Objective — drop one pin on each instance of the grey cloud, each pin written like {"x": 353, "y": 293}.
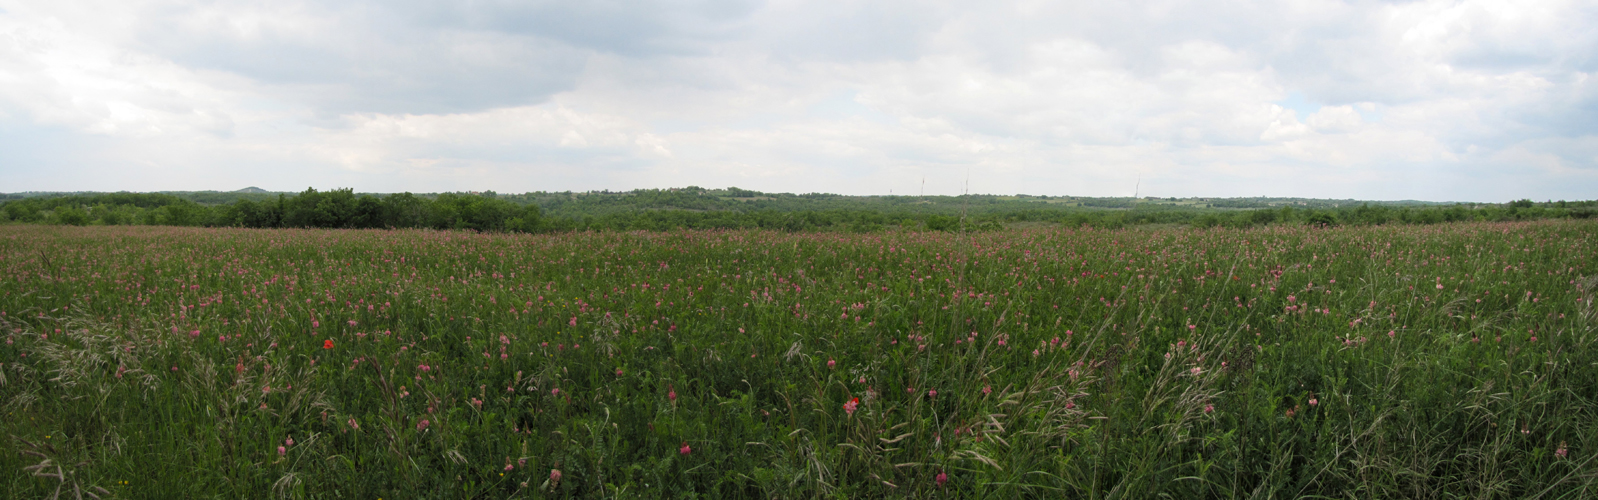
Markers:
{"x": 629, "y": 28}
{"x": 362, "y": 62}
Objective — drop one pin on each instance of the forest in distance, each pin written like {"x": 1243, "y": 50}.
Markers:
{"x": 693, "y": 207}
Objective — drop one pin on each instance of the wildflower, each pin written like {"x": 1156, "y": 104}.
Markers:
{"x": 1313, "y": 401}
{"x": 281, "y": 451}
{"x": 289, "y": 441}
{"x": 671, "y": 394}
{"x": 354, "y": 425}
{"x": 422, "y": 426}
{"x": 987, "y": 389}
{"x": 1209, "y": 408}
{"x": 943, "y": 477}
{"x": 554, "y": 477}
{"x": 618, "y": 372}
{"x": 932, "y": 393}
{"x": 850, "y": 407}
{"x": 1561, "y": 452}
{"x": 554, "y": 392}
{"x": 327, "y": 344}
{"x": 831, "y": 364}
{"x": 685, "y": 449}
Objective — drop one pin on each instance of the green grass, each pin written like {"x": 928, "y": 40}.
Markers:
{"x": 1440, "y": 361}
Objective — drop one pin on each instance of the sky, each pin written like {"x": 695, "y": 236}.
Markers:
{"x": 1427, "y": 100}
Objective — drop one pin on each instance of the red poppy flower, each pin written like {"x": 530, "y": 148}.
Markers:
{"x": 327, "y": 344}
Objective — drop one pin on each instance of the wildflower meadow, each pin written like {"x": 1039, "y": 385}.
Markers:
{"x": 1286, "y": 361}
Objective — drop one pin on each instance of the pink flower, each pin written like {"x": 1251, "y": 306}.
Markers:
{"x": 1313, "y": 401}
{"x": 831, "y": 364}
{"x": 851, "y": 406}
{"x": 685, "y": 449}
{"x": 1209, "y": 408}
{"x": 987, "y": 389}
{"x": 932, "y": 393}
{"x": 554, "y": 392}
{"x": 289, "y": 441}
{"x": 1561, "y": 452}
{"x": 671, "y": 394}
{"x": 281, "y": 451}
{"x": 354, "y": 425}
{"x": 618, "y": 372}
{"x": 943, "y": 477}
{"x": 554, "y": 476}
{"x": 508, "y": 467}
{"x": 422, "y": 426}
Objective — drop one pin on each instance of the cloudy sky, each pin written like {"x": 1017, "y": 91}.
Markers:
{"x": 1430, "y": 100}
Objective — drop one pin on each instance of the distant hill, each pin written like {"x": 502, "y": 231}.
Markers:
{"x": 253, "y": 190}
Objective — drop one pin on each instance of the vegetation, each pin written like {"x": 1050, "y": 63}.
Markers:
{"x": 1388, "y": 361}
{"x": 732, "y": 208}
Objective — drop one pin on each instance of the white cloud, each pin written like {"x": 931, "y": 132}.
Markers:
{"x": 1432, "y": 99}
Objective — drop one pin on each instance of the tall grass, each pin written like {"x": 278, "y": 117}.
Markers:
{"x": 1418, "y": 362}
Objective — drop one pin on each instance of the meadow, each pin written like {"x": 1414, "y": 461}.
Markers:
{"x": 1441, "y": 361}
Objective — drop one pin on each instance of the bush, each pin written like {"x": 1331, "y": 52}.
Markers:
{"x": 1321, "y": 219}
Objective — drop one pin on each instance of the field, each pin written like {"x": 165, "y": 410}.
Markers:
{"x": 1454, "y": 360}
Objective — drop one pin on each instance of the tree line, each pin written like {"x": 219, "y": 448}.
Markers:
{"x": 694, "y": 208}
{"x": 339, "y": 208}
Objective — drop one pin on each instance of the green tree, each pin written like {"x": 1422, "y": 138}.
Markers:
{"x": 70, "y": 216}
